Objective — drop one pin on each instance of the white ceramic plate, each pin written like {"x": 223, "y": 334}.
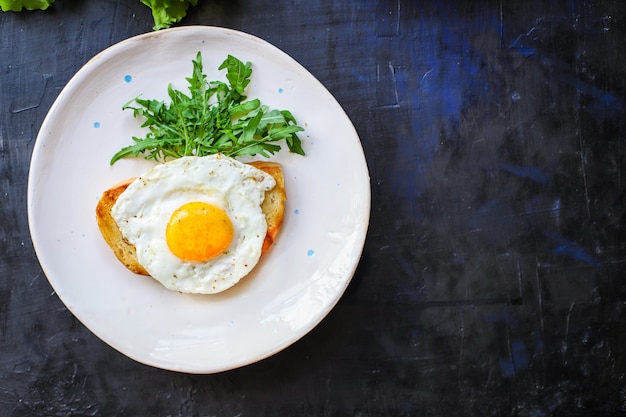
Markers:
{"x": 295, "y": 284}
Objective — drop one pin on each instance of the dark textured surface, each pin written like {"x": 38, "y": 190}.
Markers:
{"x": 493, "y": 280}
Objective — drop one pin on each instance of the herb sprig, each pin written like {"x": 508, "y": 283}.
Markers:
{"x": 215, "y": 117}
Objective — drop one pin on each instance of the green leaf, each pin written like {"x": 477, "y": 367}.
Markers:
{"x": 18, "y": 5}
{"x": 164, "y": 12}
{"x": 237, "y": 73}
{"x": 213, "y": 118}
{"x": 167, "y": 12}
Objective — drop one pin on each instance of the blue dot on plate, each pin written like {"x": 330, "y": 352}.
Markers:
{"x": 96, "y": 124}
{"x": 310, "y": 252}
{"x": 280, "y": 90}
{"x": 128, "y": 78}
{"x": 296, "y": 211}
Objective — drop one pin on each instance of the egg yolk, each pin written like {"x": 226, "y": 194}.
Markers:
{"x": 198, "y": 232}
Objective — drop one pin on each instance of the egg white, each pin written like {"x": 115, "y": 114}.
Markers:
{"x": 143, "y": 210}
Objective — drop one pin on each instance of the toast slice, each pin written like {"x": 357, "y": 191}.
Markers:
{"x": 273, "y": 207}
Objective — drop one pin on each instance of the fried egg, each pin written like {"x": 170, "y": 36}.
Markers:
{"x": 196, "y": 222}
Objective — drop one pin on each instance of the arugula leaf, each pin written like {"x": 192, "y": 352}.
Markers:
{"x": 214, "y": 117}
{"x": 238, "y": 73}
{"x": 17, "y": 5}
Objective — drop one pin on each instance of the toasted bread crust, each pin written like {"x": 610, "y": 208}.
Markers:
{"x": 273, "y": 208}
{"x": 111, "y": 233}
{"x": 274, "y": 204}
